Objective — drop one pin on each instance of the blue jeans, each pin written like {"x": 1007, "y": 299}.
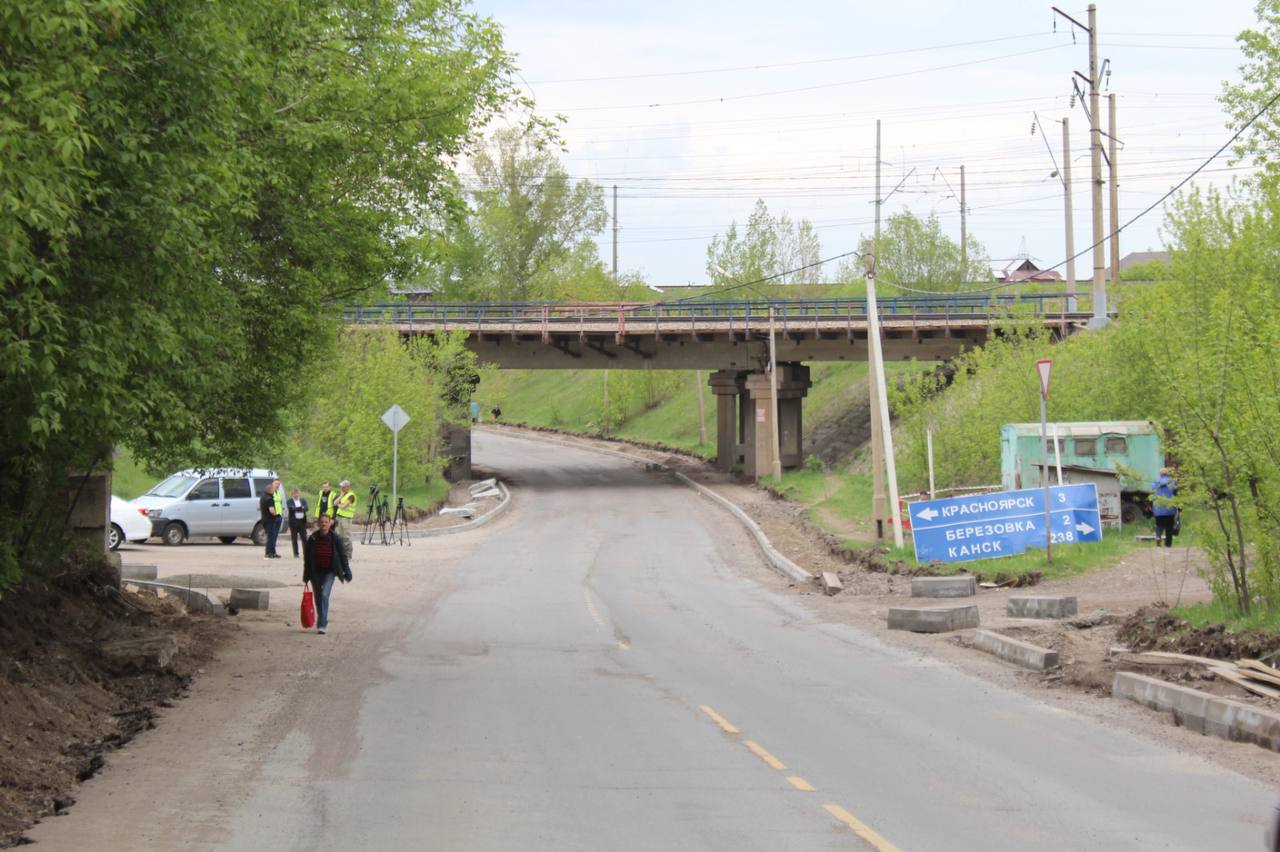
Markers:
{"x": 320, "y": 590}
{"x": 272, "y": 528}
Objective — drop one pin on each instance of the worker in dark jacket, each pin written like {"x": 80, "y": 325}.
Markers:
{"x": 1163, "y": 490}
{"x": 323, "y": 562}
{"x": 296, "y": 512}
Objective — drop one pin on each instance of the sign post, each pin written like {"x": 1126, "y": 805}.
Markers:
{"x": 395, "y": 418}
{"x": 1042, "y": 368}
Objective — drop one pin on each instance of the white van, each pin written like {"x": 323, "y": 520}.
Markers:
{"x": 217, "y": 502}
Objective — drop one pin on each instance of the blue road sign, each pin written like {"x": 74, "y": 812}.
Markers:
{"x": 987, "y": 526}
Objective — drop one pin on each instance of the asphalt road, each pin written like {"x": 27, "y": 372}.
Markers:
{"x": 603, "y": 674}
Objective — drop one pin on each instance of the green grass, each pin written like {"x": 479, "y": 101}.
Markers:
{"x": 129, "y": 479}
{"x": 1219, "y": 612}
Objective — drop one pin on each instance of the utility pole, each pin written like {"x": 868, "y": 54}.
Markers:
{"x": 881, "y": 412}
{"x": 1069, "y": 215}
{"x": 877, "y": 437}
{"x": 615, "y": 233}
{"x": 1099, "y": 318}
{"x": 1095, "y": 165}
{"x": 964, "y": 233}
{"x": 1115, "y": 192}
{"x": 773, "y": 394}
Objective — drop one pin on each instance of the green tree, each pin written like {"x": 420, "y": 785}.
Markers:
{"x": 1259, "y": 83}
{"x": 530, "y": 229}
{"x": 186, "y": 186}
{"x": 915, "y": 253}
{"x": 767, "y": 246}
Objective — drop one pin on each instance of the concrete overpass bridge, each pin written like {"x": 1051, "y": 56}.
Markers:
{"x": 728, "y": 338}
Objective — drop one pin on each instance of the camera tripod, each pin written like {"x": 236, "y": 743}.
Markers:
{"x": 381, "y": 526}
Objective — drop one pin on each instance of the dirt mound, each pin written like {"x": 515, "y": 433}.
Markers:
{"x": 66, "y": 697}
{"x": 1154, "y": 628}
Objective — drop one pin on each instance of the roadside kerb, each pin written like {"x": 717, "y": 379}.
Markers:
{"x": 195, "y": 600}
{"x": 965, "y": 586}
{"x": 139, "y": 572}
{"x": 249, "y": 599}
{"x": 780, "y": 563}
{"x": 1200, "y": 711}
{"x": 933, "y": 619}
{"x": 1015, "y": 650}
{"x": 471, "y": 524}
{"x": 1041, "y": 606}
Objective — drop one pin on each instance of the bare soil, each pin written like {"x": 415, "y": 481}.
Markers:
{"x": 64, "y": 703}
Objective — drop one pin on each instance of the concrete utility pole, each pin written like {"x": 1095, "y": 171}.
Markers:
{"x": 773, "y": 394}
{"x": 1095, "y": 164}
{"x": 1115, "y": 192}
{"x": 1069, "y": 215}
{"x": 877, "y": 439}
{"x": 615, "y": 233}
{"x": 702, "y": 407}
{"x": 964, "y": 233}
{"x": 1099, "y": 318}
{"x": 881, "y": 412}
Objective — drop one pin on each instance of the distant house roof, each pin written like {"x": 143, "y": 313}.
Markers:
{"x": 1022, "y": 269}
{"x": 1137, "y": 258}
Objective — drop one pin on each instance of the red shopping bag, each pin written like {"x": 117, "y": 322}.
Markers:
{"x": 308, "y": 608}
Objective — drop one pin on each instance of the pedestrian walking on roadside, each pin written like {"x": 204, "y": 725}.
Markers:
{"x": 1163, "y": 490}
{"x": 495, "y": 413}
{"x": 325, "y": 502}
{"x": 323, "y": 562}
{"x": 267, "y": 507}
{"x": 297, "y": 521}
{"x": 344, "y": 515}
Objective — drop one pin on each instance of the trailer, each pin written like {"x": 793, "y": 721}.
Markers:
{"x": 1131, "y": 450}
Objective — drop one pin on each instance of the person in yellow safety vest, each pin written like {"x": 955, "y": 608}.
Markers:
{"x": 277, "y": 497}
{"x": 327, "y": 502}
{"x": 344, "y": 507}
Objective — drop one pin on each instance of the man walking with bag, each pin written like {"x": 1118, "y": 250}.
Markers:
{"x": 323, "y": 562}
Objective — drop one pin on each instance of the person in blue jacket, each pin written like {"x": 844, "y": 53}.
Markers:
{"x": 1163, "y": 490}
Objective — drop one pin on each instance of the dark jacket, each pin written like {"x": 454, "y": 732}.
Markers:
{"x": 313, "y": 573}
{"x": 299, "y": 523}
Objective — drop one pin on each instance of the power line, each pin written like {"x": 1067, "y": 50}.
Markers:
{"x": 878, "y": 77}
{"x": 1225, "y": 145}
{"x": 759, "y": 67}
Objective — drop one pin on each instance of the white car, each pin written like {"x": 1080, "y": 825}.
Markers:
{"x": 128, "y": 523}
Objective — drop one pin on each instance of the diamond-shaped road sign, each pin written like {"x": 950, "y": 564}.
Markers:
{"x": 1043, "y": 367}
{"x": 395, "y": 418}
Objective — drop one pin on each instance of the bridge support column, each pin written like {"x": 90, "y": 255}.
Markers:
{"x": 793, "y": 385}
{"x": 728, "y": 386}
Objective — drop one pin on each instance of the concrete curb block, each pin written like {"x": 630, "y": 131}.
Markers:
{"x": 1200, "y": 711}
{"x": 195, "y": 600}
{"x": 1041, "y": 606}
{"x": 779, "y": 562}
{"x": 944, "y": 587}
{"x": 1015, "y": 651}
{"x": 471, "y": 524}
{"x": 776, "y": 560}
{"x": 935, "y": 619}
{"x": 250, "y": 599}
{"x": 139, "y": 572}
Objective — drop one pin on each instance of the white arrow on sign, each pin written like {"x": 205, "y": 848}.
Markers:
{"x": 395, "y": 418}
{"x": 927, "y": 514}
{"x": 1084, "y": 529}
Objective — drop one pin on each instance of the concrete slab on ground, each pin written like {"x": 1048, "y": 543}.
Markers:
{"x": 963, "y": 586}
{"x": 1200, "y": 711}
{"x": 250, "y": 599}
{"x": 1015, "y": 650}
{"x": 1041, "y": 606}
{"x": 936, "y": 619}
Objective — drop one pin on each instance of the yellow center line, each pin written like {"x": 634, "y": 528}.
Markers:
{"x": 800, "y": 784}
{"x": 719, "y": 720}
{"x": 861, "y": 829}
{"x": 759, "y": 751}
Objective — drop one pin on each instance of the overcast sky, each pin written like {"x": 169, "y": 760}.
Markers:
{"x": 695, "y": 109}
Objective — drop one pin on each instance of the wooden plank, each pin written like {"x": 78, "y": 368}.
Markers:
{"x": 1244, "y": 683}
{"x": 1259, "y": 671}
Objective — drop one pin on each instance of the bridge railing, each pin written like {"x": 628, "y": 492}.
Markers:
{"x": 786, "y": 311}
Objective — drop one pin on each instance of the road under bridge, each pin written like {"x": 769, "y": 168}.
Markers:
{"x": 730, "y": 339}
